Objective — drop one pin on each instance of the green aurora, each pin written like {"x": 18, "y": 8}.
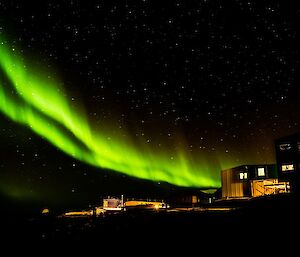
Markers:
{"x": 32, "y": 97}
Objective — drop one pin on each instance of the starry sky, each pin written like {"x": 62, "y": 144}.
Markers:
{"x": 217, "y": 80}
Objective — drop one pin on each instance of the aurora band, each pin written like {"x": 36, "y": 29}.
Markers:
{"x": 32, "y": 97}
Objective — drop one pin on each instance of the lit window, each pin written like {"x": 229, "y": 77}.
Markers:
{"x": 261, "y": 172}
{"x": 243, "y": 175}
{"x": 287, "y": 167}
{"x": 285, "y": 146}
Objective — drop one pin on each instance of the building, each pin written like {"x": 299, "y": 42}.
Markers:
{"x": 184, "y": 200}
{"x": 191, "y": 197}
{"x": 113, "y": 204}
{"x": 288, "y": 159}
{"x": 248, "y": 181}
{"x": 144, "y": 204}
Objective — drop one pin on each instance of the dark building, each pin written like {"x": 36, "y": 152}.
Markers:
{"x": 251, "y": 181}
{"x": 288, "y": 159}
{"x": 191, "y": 198}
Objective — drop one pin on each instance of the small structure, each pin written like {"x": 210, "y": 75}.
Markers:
{"x": 189, "y": 198}
{"x": 184, "y": 200}
{"x": 144, "y": 204}
{"x": 248, "y": 181}
{"x": 288, "y": 159}
{"x": 72, "y": 214}
{"x": 113, "y": 204}
{"x": 45, "y": 211}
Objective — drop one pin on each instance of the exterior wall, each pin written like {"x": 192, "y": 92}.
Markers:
{"x": 235, "y": 187}
{"x": 184, "y": 200}
{"x": 288, "y": 153}
{"x": 190, "y": 198}
{"x": 230, "y": 186}
{"x": 194, "y": 199}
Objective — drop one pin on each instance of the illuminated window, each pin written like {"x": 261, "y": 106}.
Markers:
{"x": 243, "y": 175}
{"x": 285, "y": 147}
{"x": 261, "y": 172}
{"x": 287, "y": 167}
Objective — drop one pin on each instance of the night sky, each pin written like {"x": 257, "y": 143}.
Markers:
{"x": 216, "y": 81}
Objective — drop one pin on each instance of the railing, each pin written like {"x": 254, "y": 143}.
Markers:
{"x": 265, "y": 189}
{"x": 262, "y": 188}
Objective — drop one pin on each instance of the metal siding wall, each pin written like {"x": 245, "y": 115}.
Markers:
{"x": 231, "y": 188}
{"x": 223, "y": 180}
{"x": 225, "y": 184}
